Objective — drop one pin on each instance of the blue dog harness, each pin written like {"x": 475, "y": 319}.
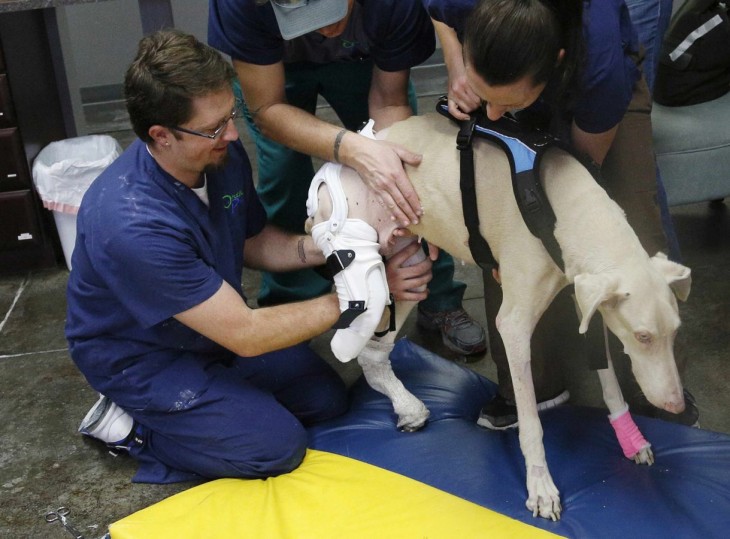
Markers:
{"x": 524, "y": 149}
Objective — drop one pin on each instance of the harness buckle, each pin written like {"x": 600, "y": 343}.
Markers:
{"x": 543, "y": 140}
{"x": 531, "y": 201}
{"x": 466, "y": 133}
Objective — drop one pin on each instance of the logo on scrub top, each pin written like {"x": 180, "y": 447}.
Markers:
{"x": 232, "y": 201}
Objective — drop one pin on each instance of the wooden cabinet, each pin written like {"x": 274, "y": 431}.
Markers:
{"x": 29, "y": 119}
{"x": 19, "y": 225}
{"x": 7, "y": 112}
{"x": 13, "y": 168}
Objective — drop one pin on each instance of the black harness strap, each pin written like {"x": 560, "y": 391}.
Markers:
{"x": 478, "y": 246}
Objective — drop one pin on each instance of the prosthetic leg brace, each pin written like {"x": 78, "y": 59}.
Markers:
{"x": 353, "y": 253}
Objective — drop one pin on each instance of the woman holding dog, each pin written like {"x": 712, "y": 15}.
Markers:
{"x": 573, "y": 68}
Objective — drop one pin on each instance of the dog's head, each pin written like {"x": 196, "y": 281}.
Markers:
{"x": 640, "y": 308}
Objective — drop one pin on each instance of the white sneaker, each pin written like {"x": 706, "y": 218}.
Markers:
{"x": 107, "y": 422}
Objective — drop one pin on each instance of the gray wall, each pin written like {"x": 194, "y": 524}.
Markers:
{"x": 98, "y": 41}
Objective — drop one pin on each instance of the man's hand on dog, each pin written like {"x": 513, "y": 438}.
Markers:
{"x": 380, "y": 165}
{"x": 408, "y": 282}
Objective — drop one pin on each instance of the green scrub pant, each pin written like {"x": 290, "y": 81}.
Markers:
{"x": 284, "y": 177}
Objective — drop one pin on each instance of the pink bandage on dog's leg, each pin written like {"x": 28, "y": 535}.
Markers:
{"x": 628, "y": 434}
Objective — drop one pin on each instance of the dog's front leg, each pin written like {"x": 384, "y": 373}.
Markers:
{"x": 375, "y": 362}
{"x": 632, "y": 442}
{"x": 543, "y": 497}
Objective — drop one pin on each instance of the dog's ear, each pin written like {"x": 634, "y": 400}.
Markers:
{"x": 591, "y": 291}
{"x": 678, "y": 277}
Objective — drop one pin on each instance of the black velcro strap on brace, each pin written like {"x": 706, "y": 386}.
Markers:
{"x": 339, "y": 260}
{"x": 391, "y": 324}
{"x": 354, "y": 309}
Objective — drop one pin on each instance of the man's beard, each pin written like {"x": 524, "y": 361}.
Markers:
{"x": 214, "y": 167}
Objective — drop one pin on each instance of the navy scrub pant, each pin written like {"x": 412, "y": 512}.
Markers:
{"x": 284, "y": 177}
{"x": 246, "y": 419}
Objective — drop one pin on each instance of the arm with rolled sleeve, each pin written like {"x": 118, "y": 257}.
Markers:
{"x": 260, "y": 69}
{"x": 608, "y": 80}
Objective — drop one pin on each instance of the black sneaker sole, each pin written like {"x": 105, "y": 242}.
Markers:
{"x": 506, "y": 421}
{"x": 467, "y": 352}
{"x": 486, "y": 422}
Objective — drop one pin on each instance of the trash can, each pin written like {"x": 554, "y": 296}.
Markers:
{"x": 63, "y": 171}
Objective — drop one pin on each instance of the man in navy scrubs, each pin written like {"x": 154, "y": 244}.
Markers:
{"x": 195, "y": 383}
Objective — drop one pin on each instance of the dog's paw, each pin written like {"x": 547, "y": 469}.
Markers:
{"x": 543, "y": 496}
{"x": 644, "y": 456}
{"x": 414, "y": 418}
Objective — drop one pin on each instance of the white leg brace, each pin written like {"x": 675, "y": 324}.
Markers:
{"x": 361, "y": 284}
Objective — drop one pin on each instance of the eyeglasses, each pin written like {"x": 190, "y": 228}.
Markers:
{"x": 218, "y": 130}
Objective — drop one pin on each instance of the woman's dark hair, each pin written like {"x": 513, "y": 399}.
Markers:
{"x": 170, "y": 69}
{"x": 507, "y": 40}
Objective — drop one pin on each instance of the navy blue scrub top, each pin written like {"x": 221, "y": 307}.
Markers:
{"x": 395, "y": 34}
{"x": 148, "y": 248}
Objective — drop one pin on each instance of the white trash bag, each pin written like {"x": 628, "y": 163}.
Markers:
{"x": 63, "y": 171}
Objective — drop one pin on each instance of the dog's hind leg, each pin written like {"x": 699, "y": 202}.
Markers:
{"x": 375, "y": 362}
{"x": 632, "y": 442}
{"x": 334, "y": 225}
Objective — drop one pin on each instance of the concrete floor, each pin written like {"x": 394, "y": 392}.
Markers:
{"x": 45, "y": 464}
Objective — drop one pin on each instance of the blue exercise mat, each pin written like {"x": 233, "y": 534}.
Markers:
{"x": 686, "y": 493}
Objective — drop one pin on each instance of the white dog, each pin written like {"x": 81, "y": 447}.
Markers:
{"x": 611, "y": 272}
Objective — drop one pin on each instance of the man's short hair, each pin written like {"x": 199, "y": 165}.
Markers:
{"x": 171, "y": 68}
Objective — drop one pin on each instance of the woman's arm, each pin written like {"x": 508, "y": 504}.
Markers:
{"x": 594, "y": 145}
{"x": 461, "y": 98}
